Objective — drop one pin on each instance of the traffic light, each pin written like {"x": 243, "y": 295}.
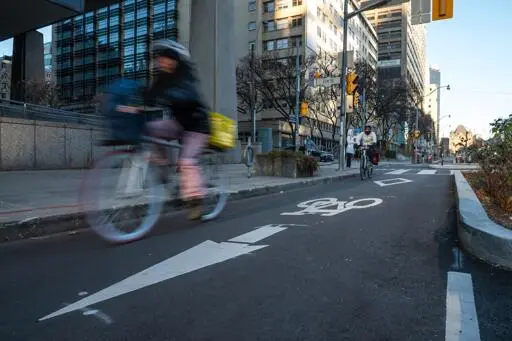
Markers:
{"x": 351, "y": 80}
{"x": 356, "y": 100}
{"x": 442, "y": 9}
{"x": 304, "y": 109}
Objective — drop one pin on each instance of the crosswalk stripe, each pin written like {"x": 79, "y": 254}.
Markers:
{"x": 398, "y": 171}
{"x": 427, "y": 172}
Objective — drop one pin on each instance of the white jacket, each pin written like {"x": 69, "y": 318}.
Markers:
{"x": 351, "y": 140}
{"x": 364, "y": 139}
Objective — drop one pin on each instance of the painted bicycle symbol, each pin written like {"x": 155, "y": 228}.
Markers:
{"x": 328, "y": 207}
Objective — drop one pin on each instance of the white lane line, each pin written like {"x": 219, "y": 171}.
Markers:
{"x": 258, "y": 234}
{"x": 427, "y": 172}
{"x": 398, "y": 171}
{"x": 461, "y": 317}
{"x": 195, "y": 258}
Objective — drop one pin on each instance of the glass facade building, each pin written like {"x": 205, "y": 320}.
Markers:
{"x": 96, "y": 48}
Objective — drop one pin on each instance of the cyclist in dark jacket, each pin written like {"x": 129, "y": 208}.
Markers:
{"x": 176, "y": 85}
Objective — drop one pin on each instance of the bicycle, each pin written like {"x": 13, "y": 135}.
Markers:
{"x": 365, "y": 166}
{"x": 141, "y": 176}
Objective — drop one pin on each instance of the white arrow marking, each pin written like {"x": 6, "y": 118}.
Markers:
{"x": 258, "y": 234}
{"x": 195, "y": 258}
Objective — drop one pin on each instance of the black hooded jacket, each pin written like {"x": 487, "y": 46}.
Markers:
{"x": 180, "y": 91}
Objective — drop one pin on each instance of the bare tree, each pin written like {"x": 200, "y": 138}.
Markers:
{"x": 41, "y": 93}
{"x": 247, "y": 95}
{"x": 323, "y": 101}
{"x": 275, "y": 81}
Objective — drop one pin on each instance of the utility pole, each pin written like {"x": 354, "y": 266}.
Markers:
{"x": 253, "y": 96}
{"x": 343, "y": 117}
{"x": 297, "y": 96}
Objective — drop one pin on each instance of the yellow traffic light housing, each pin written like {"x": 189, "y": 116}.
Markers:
{"x": 304, "y": 109}
{"x": 351, "y": 82}
{"x": 442, "y": 9}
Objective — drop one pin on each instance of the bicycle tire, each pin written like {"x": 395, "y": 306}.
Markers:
{"x": 91, "y": 201}
{"x": 362, "y": 168}
{"x": 220, "y": 199}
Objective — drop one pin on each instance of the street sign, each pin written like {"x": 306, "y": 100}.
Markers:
{"x": 291, "y": 119}
{"x": 326, "y": 82}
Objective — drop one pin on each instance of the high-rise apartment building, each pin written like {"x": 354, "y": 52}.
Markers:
{"x": 47, "y": 48}
{"x": 432, "y": 100}
{"x": 279, "y": 25}
{"x": 93, "y": 49}
{"x": 402, "y": 46}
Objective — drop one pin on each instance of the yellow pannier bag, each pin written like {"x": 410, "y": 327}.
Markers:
{"x": 222, "y": 131}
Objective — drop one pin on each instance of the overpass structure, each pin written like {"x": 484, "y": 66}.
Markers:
{"x": 205, "y": 26}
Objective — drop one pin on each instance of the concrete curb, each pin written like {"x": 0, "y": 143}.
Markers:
{"x": 73, "y": 222}
{"x": 478, "y": 234}
{"x": 456, "y": 167}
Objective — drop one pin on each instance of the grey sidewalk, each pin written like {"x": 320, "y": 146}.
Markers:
{"x": 32, "y": 195}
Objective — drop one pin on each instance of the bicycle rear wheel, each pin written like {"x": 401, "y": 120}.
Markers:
{"x": 133, "y": 181}
{"x": 215, "y": 178}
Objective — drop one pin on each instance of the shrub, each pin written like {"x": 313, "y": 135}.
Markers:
{"x": 495, "y": 159}
{"x": 305, "y": 164}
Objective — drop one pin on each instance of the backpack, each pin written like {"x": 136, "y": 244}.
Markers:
{"x": 124, "y": 128}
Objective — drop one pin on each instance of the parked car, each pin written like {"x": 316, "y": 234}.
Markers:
{"x": 326, "y": 157}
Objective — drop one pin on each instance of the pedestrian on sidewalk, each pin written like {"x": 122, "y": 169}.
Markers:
{"x": 350, "y": 147}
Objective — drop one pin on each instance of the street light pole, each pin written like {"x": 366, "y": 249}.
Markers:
{"x": 297, "y": 97}
{"x": 253, "y": 96}
{"x": 416, "y": 126}
{"x": 342, "y": 118}
{"x": 343, "y": 98}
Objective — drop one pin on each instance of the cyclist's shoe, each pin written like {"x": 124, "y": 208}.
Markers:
{"x": 195, "y": 209}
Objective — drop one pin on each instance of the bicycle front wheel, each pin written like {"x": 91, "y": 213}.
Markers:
{"x": 215, "y": 178}
{"x": 122, "y": 196}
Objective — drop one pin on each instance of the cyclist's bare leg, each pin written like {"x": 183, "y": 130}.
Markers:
{"x": 164, "y": 129}
{"x": 192, "y": 190}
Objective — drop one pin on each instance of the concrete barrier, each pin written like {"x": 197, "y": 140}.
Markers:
{"x": 478, "y": 234}
{"x": 28, "y": 144}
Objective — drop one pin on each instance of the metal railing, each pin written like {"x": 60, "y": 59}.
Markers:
{"x": 15, "y": 109}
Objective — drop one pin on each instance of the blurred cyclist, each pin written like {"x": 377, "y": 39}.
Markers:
{"x": 368, "y": 139}
{"x": 175, "y": 84}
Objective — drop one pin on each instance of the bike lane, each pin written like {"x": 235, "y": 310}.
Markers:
{"x": 277, "y": 267}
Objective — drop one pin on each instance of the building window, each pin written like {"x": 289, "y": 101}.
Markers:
{"x": 297, "y": 3}
{"x": 282, "y": 24}
{"x": 296, "y": 21}
{"x": 252, "y": 6}
{"x": 282, "y": 43}
{"x": 269, "y": 45}
{"x": 251, "y": 26}
{"x": 319, "y": 31}
{"x": 282, "y": 4}
{"x": 269, "y": 26}
{"x": 252, "y": 45}
{"x": 318, "y": 12}
{"x": 159, "y": 8}
{"x": 269, "y": 7}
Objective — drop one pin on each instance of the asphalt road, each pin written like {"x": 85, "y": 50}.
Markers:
{"x": 337, "y": 273}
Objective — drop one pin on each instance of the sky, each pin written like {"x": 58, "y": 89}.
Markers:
{"x": 473, "y": 55}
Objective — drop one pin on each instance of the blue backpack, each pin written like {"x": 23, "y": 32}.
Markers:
{"x": 125, "y": 128}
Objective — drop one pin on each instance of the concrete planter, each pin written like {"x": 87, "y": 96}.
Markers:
{"x": 477, "y": 233}
{"x": 282, "y": 166}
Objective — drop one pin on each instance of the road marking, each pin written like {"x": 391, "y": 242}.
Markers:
{"x": 461, "y": 317}
{"x": 427, "y": 172}
{"x": 258, "y": 234}
{"x": 329, "y": 207}
{"x": 391, "y": 182}
{"x": 195, "y": 258}
{"x": 397, "y": 172}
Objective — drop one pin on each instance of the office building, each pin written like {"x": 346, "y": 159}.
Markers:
{"x": 314, "y": 25}
{"x": 5, "y": 77}
{"x": 47, "y": 48}
{"x": 402, "y": 46}
{"x": 434, "y": 99}
{"x": 96, "y": 48}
